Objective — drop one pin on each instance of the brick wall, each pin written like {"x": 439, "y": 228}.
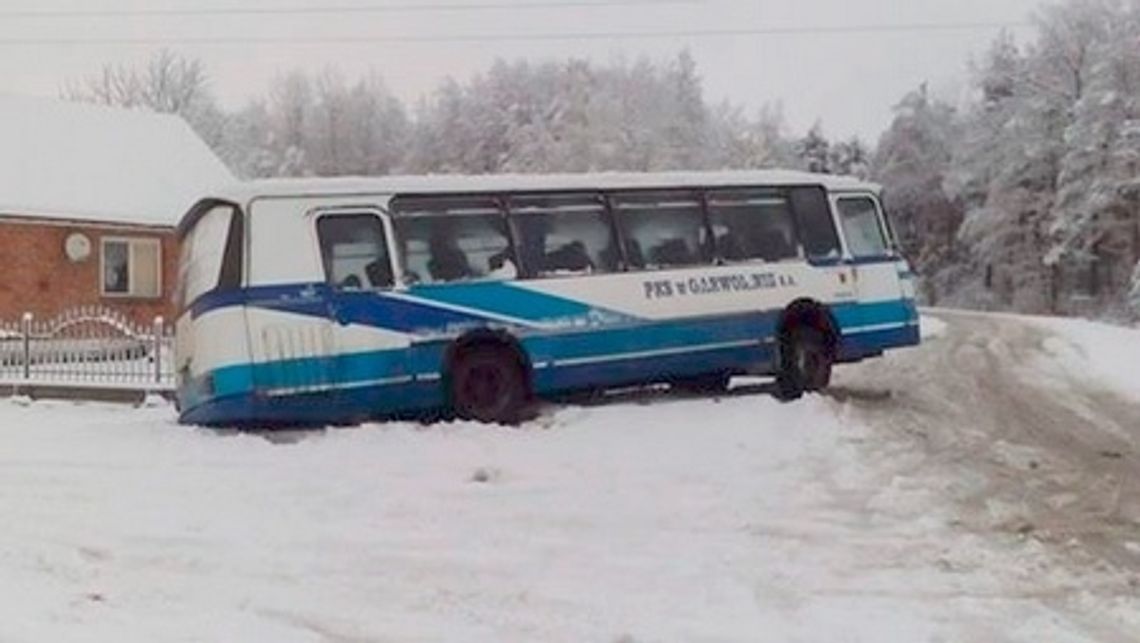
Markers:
{"x": 36, "y": 275}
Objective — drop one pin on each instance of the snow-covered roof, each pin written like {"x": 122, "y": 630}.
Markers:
{"x": 65, "y": 160}
{"x": 244, "y": 192}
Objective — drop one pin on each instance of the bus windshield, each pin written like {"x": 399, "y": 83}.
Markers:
{"x": 862, "y": 228}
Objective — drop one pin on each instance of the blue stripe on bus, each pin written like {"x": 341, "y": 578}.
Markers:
{"x": 425, "y": 360}
{"x": 604, "y": 356}
{"x": 401, "y": 315}
{"x": 356, "y": 402}
{"x": 504, "y": 299}
{"x": 412, "y": 310}
{"x": 856, "y": 315}
{"x": 485, "y": 303}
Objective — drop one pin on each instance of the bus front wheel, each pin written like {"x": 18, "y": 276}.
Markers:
{"x": 488, "y": 384}
{"x": 805, "y": 363}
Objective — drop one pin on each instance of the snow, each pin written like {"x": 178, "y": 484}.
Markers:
{"x": 931, "y": 327}
{"x": 1109, "y": 355}
{"x": 85, "y": 162}
{"x": 681, "y": 519}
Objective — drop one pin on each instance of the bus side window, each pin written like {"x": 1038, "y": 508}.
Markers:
{"x": 814, "y": 223}
{"x": 449, "y": 238}
{"x": 354, "y": 251}
{"x": 751, "y": 225}
{"x": 662, "y": 229}
{"x": 561, "y": 234}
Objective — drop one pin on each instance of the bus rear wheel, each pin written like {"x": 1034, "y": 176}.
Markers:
{"x": 488, "y": 384}
{"x": 805, "y": 363}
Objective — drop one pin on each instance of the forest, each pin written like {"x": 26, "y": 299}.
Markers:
{"x": 1023, "y": 194}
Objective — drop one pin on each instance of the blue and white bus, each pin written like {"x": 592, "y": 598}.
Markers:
{"x": 338, "y": 300}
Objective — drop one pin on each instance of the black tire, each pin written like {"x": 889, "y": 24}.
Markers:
{"x": 488, "y": 384}
{"x": 805, "y": 363}
{"x": 707, "y": 384}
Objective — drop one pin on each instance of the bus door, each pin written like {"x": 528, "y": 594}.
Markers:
{"x": 872, "y": 260}
{"x": 368, "y": 348}
{"x": 834, "y": 280}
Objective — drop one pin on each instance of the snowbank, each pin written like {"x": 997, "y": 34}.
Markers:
{"x": 1085, "y": 349}
{"x": 931, "y": 327}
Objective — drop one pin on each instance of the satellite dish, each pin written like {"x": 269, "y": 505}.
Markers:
{"x": 77, "y": 247}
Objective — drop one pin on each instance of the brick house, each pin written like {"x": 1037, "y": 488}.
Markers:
{"x": 89, "y": 198}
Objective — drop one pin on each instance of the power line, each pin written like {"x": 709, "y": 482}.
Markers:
{"x": 169, "y": 12}
{"x": 512, "y": 37}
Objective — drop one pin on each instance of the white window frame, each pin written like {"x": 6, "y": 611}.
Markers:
{"x": 837, "y": 217}
{"x": 131, "y": 243}
{"x": 394, "y": 260}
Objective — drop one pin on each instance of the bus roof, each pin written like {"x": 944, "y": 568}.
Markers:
{"x": 441, "y": 183}
{"x": 243, "y": 193}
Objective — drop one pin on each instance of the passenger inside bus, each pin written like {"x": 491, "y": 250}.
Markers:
{"x": 448, "y": 262}
{"x": 379, "y": 272}
{"x": 672, "y": 252}
{"x": 569, "y": 257}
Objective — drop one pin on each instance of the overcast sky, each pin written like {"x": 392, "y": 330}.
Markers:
{"x": 847, "y": 79}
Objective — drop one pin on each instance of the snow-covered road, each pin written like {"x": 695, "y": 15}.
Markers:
{"x": 936, "y": 495}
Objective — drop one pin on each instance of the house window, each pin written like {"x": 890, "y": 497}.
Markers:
{"x": 132, "y": 268}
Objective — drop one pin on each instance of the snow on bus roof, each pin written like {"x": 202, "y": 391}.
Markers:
{"x": 83, "y": 162}
{"x": 441, "y": 183}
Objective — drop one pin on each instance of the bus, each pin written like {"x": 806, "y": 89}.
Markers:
{"x": 330, "y": 301}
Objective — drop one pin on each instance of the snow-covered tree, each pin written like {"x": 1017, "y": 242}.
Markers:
{"x": 1004, "y": 172}
{"x": 168, "y": 83}
{"x": 1096, "y": 223}
{"x": 813, "y": 151}
{"x": 1134, "y": 292}
{"x": 912, "y": 161}
{"x": 758, "y": 142}
{"x": 850, "y": 158}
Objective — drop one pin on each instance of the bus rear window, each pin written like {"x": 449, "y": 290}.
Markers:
{"x": 814, "y": 222}
{"x": 211, "y": 255}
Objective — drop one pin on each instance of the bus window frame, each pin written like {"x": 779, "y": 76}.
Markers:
{"x": 318, "y": 213}
{"x": 711, "y": 258}
{"x": 235, "y": 252}
{"x": 780, "y": 192}
{"x": 889, "y": 224}
{"x": 817, "y": 262}
{"x": 890, "y": 253}
{"x": 238, "y": 224}
{"x": 500, "y": 202}
{"x": 527, "y": 272}
{"x": 701, "y": 193}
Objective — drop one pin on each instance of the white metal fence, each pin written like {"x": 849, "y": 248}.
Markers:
{"x": 90, "y": 346}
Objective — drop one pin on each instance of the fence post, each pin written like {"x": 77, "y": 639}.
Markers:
{"x": 157, "y": 334}
{"x": 26, "y": 329}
